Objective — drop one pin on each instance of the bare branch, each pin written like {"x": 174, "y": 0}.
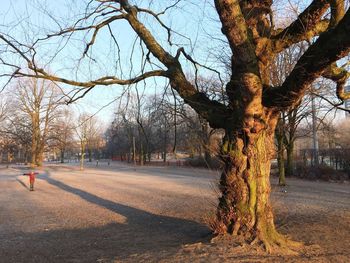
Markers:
{"x": 156, "y": 16}
{"x": 336, "y": 105}
{"x": 74, "y": 98}
{"x": 156, "y": 49}
{"x": 327, "y": 49}
{"x": 337, "y": 12}
{"x": 98, "y": 27}
{"x": 307, "y": 25}
{"x": 339, "y": 76}
{"x": 16, "y": 49}
{"x": 104, "y": 81}
{"x": 199, "y": 101}
{"x": 236, "y": 30}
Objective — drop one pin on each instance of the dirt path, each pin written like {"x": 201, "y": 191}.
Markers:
{"x": 116, "y": 214}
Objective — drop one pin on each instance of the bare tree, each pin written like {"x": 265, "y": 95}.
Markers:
{"x": 120, "y": 137}
{"x": 251, "y": 112}
{"x": 81, "y": 131}
{"x": 195, "y": 133}
{"x": 89, "y": 133}
{"x": 62, "y": 132}
{"x": 16, "y": 134}
{"x": 38, "y": 101}
{"x": 93, "y": 136}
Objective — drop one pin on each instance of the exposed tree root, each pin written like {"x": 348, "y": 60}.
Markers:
{"x": 279, "y": 243}
{"x": 267, "y": 238}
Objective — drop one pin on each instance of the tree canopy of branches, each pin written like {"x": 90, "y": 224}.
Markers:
{"x": 38, "y": 101}
{"x": 158, "y": 127}
{"x": 63, "y": 132}
{"x": 252, "y": 106}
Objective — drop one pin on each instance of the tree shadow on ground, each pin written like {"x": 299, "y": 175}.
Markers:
{"x": 144, "y": 236}
{"x": 22, "y": 183}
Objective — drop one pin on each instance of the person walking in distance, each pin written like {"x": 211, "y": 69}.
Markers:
{"x": 31, "y": 175}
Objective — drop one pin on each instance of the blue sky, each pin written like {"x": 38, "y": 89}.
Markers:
{"x": 28, "y": 20}
{"x": 194, "y": 19}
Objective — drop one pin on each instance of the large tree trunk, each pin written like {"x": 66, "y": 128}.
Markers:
{"x": 82, "y": 154}
{"x": 244, "y": 207}
{"x": 290, "y": 159}
{"x": 37, "y": 153}
{"x": 34, "y": 150}
{"x": 62, "y": 155}
{"x": 141, "y": 154}
{"x": 39, "y": 158}
{"x": 90, "y": 154}
{"x": 37, "y": 147}
{"x": 33, "y": 159}
{"x": 40, "y": 152}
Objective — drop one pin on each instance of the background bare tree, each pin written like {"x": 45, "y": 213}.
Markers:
{"x": 89, "y": 133}
{"x": 38, "y": 101}
{"x": 17, "y": 139}
{"x": 63, "y": 132}
{"x": 93, "y": 137}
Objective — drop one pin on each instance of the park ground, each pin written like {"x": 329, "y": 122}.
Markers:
{"x": 117, "y": 213}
